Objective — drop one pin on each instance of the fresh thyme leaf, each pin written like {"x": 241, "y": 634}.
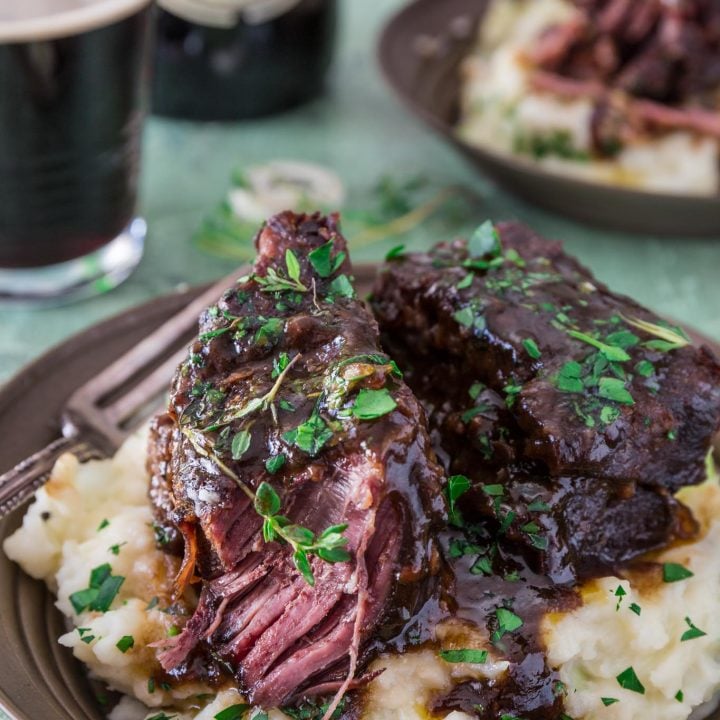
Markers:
{"x": 466, "y": 282}
{"x": 321, "y": 260}
{"x": 609, "y": 414}
{"x": 693, "y": 632}
{"x": 673, "y": 572}
{"x": 628, "y": 680}
{"x": 240, "y": 444}
{"x": 397, "y": 252}
{"x": 275, "y": 463}
{"x": 477, "y": 657}
{"x": 531, "y": 348}
{"x": 279, "y": 364}
{"x": 292, "y": 264}
{"x": 485, "y": 241}
{"x": 234, "y": 712}
{"x": 267, "y": 501}
{"x": 372, "y": 404}
{"x": 311, "y": 436}
{"x": 614, "y": 389}
{"x": 342, "y": 287}
{"x": 125, "y": 643}
{"x": 301, "y": 562}
{"x": 661, "y": 345}
{"x": 465, "y": 316}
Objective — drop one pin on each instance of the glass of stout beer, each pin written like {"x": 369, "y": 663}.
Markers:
{"x": 72, "y": 75}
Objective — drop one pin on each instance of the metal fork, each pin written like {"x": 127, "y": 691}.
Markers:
{"x": 100, "y": 414}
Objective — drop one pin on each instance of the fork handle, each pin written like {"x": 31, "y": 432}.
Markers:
{"x": 18, "y": 484}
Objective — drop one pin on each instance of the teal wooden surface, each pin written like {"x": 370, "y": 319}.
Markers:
{"x": 361, "y": 131}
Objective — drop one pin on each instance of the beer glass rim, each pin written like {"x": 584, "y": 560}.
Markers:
{"x": 69, "y": 22}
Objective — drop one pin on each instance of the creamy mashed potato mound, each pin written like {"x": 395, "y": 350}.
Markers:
{"x": 98, "y": 513}
{"x": 502, "y": 113}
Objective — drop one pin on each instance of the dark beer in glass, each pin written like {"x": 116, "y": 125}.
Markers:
{"x": 72, "y": 74}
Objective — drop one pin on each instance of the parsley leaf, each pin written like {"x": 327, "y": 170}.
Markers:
{"x": 628, "y": 680}
{"x": 614, "y": 389}
{"x": 99, "y": 595}
{"x": 371, "y": 404}
{"x": 531, "y": 348}
{"x": 507, "y": 621}
{"x": 311, "y": 436}
{"x": 275, "y": 463}
{"x": 673, "y": 572}
{"x": 125, "y": 643}
{"x": 234, "y": 712}
{"x": 485, "y": 241}
{"x": 464, "y": 656}
{"x": 457, "y": 486}
{"x": 342, "y": 287}
{"x": 693, "y": 632}
{"x": 397, "y": 252}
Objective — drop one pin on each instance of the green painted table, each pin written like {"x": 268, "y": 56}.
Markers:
{"x": 361, "y": 131}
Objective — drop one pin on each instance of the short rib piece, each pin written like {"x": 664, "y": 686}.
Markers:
{"x": 287, "y": 385}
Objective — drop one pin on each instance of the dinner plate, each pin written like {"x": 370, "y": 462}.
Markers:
{"x": 38, "y": 677}
{"x": 420, "y": 52}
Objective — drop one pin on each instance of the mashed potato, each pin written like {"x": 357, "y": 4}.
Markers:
{"x": 501, "y": 112}
{"x": 97, "y": 514}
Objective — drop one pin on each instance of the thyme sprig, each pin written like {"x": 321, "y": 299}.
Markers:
{"x": 267, "y": 401}
{"x": 275, "y": 281}
{"x": 329, "y": 545}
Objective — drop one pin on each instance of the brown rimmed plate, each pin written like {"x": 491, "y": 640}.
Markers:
{"x": 38, "y": 677}
{"x": 420, "y": 52}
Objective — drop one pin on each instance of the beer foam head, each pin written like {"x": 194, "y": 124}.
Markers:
{"x": 28, "y": 20}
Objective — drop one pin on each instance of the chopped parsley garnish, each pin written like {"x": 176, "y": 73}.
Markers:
{"x": 507, "y": 622}
{"x": 628, "y": 680}
{"x": 568, "y": 379}
{"x": 531, "y": 348}
{"x": 457, "y": 486}
{"x": 322, "y": 261}
{"x": 102, "y": 588}
{"x": 609, "y": 414}
{"x": 115, "y": 549}
{"x": 464, "y": 656}
{"x": 693, "y": 632}
{"x": 371, "y": 404}
{"x": 619, "y": 594}
{"x": 328, "y": 546}
{"x": 240, "y": 444}
{"x": 162, "y": 715}
{"x": 485, "y": 241}
{"x": 342, "y": 287}
{"x": 173, "y": 631}
{"x": 313, "y": 710}
{"x": 609, "y": 701}
{"x": 466, "y": 317}
{"x": 103, "y": 525}
{"x": 634, "y": 607}
{"x": 679, "y": 695}
{"x": 673, "y": 572}
{"x": 310, "y": 436}
{"x": 397, "y": 252}
{"x": 234, "y": 712}
{"x": 645, "y": 368}
{"x": 610, "y": 352}
{"x": 125, "y": 643}
{"x": 615, "y": 390}
{"x": 275, "y": 463}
